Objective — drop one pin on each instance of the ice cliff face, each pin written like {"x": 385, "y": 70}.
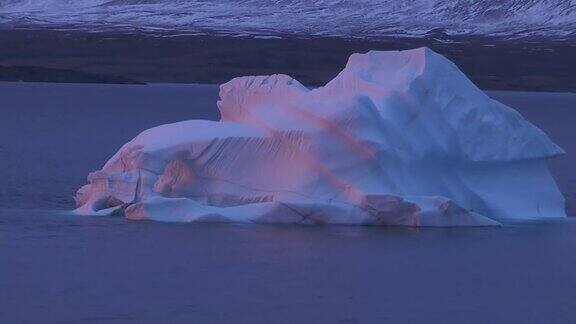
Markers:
{"x": 397, "y": 138}
{"x": 343, "y": 18}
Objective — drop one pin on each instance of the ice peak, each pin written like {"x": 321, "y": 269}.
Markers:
{"x": 240, "y": 95}
{"x": 392, "y": 70}
{"x": 416, "y": 56}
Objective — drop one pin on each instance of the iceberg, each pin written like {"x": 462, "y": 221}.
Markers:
{"x": 398, "y": 138}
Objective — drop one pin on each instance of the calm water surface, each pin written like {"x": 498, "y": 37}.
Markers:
{"x": 56, "y": 268}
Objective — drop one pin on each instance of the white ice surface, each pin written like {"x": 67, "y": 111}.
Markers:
{"x": 397, "y": 138}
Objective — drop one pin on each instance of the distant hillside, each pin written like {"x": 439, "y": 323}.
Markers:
{"x": 367, "y": 19}
{"x": 491, "y": 64}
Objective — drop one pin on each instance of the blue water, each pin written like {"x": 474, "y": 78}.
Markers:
{"x": 56, "y": 268}
{"x": 53, "y": 135}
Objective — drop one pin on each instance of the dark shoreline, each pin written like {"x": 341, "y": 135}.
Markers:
{"x": 21, "y": 73}
{"x": 493, "y": 64}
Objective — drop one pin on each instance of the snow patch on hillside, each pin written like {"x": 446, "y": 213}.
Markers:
{"x": 344, "y": 18}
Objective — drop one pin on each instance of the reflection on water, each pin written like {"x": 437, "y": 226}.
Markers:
{"x": 61, "y": 268}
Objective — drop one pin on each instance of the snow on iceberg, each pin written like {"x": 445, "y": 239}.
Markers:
{"x": 397, "y": 138}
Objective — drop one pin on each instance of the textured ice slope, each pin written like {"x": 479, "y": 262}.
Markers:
{"x": 397, "y": 138}
{"x": 346, "y": 18}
